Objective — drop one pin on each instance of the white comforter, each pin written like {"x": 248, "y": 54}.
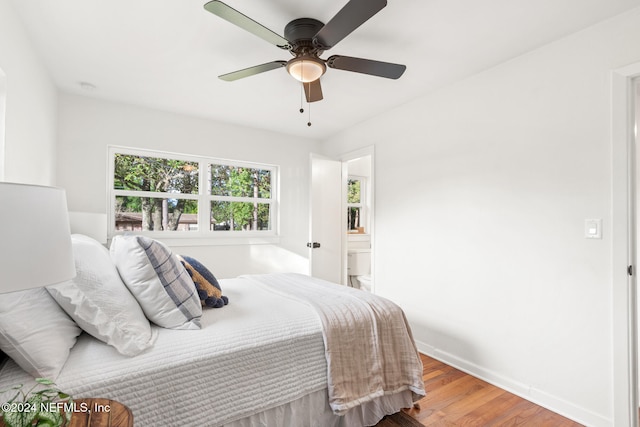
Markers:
{"x": 258, "y": 352}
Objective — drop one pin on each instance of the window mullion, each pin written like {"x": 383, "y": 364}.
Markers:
{"x": 241, "y": 199}
{"x": 204, "y": 206}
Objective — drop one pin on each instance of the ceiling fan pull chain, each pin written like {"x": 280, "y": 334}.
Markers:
{"x": 301, "y": 95}
{"x": 309, "y": 106}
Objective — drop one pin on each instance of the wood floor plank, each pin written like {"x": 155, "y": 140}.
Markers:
{"x": 515, "y": 415}
{"x": 456, "y": 399}
{"x": 463, "y": 413}
{"x": 494, "y": 411}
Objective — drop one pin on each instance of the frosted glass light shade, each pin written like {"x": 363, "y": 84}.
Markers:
{"x": 35, "y": 239}
{"x": 306, "y": 68}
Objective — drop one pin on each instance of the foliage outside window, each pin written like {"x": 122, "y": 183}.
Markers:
{"x": 355, "y": 204}
{"x": 158, "y": 192}
{"x": 229, "y": 183}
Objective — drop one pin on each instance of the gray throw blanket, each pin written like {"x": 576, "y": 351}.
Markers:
{"x": 369, "y": 347}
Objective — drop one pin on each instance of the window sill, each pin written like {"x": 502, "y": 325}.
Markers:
{"x": 358, "y": 237}
{"x": 182, "y": 241}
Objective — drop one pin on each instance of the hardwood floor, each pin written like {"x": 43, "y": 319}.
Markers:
{"x": 458, "y": 399}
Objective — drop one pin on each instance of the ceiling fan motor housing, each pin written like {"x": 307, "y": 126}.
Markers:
{"x": 300, "y": 33}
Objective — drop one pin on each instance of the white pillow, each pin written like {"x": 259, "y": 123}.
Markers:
{"x": 158, "y": 280}
{"x": 35, "y": 332}
{"x": 100, "y": 303}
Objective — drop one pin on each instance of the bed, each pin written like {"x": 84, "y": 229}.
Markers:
{"x": 288, "y": 350}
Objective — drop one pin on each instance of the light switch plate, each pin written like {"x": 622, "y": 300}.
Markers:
{"x": 593, "y": 228}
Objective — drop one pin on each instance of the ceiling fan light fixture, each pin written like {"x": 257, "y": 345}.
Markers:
{"x": 306, "y": 69}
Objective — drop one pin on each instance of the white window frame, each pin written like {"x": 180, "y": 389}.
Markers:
{"x": 204, "y": 198}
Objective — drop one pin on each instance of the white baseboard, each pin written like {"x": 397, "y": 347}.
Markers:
{"x": 539, "y": 397}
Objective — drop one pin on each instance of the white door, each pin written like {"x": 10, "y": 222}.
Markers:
{"x": 325, "y": 230}
{"x": 625, "y": 339}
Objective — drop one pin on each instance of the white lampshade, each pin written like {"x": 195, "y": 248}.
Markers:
{"x": 306, "y": 68}
{"x": 35, "y": 241}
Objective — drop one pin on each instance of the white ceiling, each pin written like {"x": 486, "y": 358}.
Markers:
{"x": 167, "y": 54}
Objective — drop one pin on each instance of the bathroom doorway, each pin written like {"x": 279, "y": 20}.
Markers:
{"x": 358, "y": 242}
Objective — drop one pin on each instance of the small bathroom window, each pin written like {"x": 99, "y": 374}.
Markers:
{"x": 356, "y": 205}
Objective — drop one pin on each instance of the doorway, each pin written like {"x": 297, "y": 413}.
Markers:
{"x": 339, "y": 223}
{"x": 359, "y": 237}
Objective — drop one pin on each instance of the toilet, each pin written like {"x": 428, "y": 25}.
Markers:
{"x": 359, "y": 268}
{"x": 364, "y": 282}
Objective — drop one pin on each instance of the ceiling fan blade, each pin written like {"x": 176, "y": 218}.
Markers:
{"x": 233, "y": 16}
{"x": 350, "y": 17}
{"x": 252, "y": 71}
{"x": 366, "y": 66}
{"x": 313, "y": 91}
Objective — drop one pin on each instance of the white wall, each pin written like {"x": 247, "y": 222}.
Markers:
{"x": 360, "y": 166}
{"x": 88, "y": 126}
{"x": 482, "y": 189}
{"x": 30, "y": 126}
{"x": 3, "y": 96}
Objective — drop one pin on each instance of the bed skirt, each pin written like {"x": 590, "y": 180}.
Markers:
{"x": 313, "y": 410}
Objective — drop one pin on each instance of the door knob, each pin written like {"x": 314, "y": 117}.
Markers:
{"x": 314, "y": 245}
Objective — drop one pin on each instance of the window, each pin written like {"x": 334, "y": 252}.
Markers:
{"x": 356, "y": 207}
{"x": 175, "y": 195}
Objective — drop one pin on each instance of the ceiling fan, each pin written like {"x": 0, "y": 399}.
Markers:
{"x": 306, "y": 39}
